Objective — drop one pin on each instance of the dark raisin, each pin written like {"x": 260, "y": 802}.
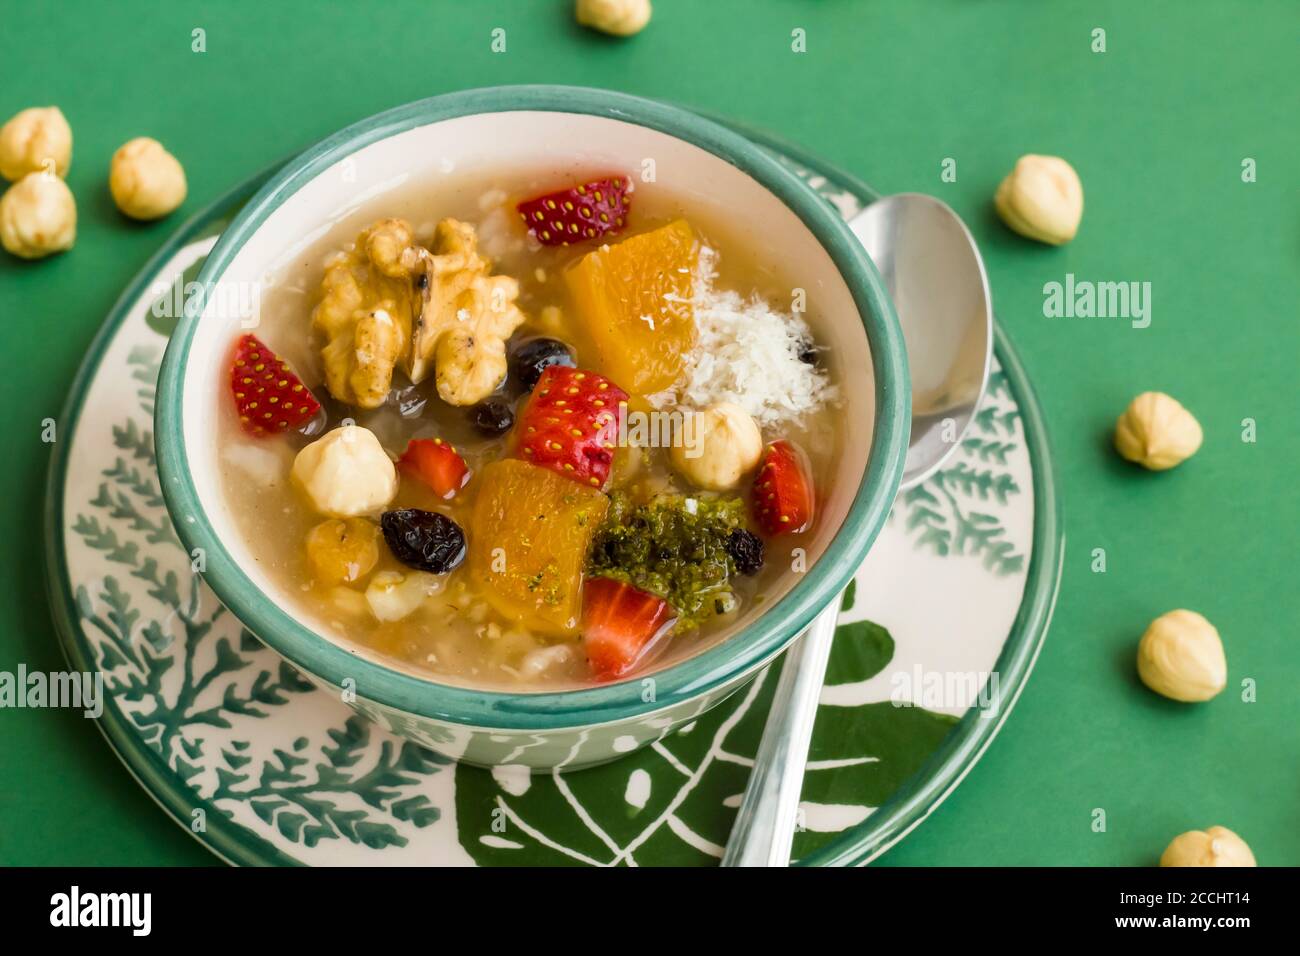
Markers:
{"x": 808, "y": 352}
{"x": 493, "y": 417}
{"x": 746, "y": 550}
{"x": 424, "y": 540}
{"x": 533, "y": 356}
{"x": 422, "y": 281}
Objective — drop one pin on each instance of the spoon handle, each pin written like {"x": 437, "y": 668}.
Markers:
{"x": 764, "y": 829}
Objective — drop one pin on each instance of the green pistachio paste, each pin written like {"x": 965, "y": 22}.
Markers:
{"x": 674, "y": 546}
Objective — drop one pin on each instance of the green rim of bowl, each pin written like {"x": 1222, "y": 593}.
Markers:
{"x": 742, "y": 653}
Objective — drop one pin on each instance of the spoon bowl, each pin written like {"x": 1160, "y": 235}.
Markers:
{"x": 935, "y": 275}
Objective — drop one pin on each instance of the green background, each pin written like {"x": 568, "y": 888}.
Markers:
{"x": 1157, "y": 126}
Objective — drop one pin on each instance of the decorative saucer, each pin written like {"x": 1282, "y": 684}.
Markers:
{"x": 937, "y": 637}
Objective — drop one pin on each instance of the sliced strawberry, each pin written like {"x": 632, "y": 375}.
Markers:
{"x": 435, "y": 463}
{"x": 589, "y": 211}
{"x": 619, "y": 623}
{"x": 783, "y": 490}
{"x": 571, "y": 424}
{"x": 269, "y": 396}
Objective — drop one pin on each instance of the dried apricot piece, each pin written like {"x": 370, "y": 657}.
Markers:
{"x": 634, "y": 300}
{"x": 532, "y": 529}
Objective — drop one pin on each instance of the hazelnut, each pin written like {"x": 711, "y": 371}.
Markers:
{"x": 1041, "y": 198}
{"x": 727, "y": 445}
{"x": 1181, "y": 656}
{"x": 1157, "y": 432}
{"x": 35, "y": 140}
{"x": 346, "y": 473}
{"x": 38, "y": 216}
{"x": 1217, "y": 846}
{"x": 147, "y": 182}
{"x": 620, "y": 18}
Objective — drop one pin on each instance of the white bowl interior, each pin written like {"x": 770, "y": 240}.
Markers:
{"x": 530, "y": 139}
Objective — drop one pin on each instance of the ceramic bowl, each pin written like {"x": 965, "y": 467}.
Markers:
{"x": 540, "y": 127}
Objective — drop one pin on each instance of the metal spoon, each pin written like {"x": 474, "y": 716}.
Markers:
{"x": 935, "y": 275}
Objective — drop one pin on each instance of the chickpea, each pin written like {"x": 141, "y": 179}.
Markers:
{"x": 1041, "y": 198}
{"x": 1217, "y": 846}
{"x": 342, "y": 551}
{"x": 1181, "y": 657}
{"x": 727, "y": 446}
{"x": 38, "y": 216}
{"x": 393, "y": 595}
{"x": 1157, "y": 432}
{"x": 346, "y": 473}
{"x": 147, "y": 182}
{"x": 620, "y": 18}
{"x": 35, "y": 140}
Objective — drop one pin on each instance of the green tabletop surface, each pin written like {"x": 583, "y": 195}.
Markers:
{"x": 1158, "y": 126}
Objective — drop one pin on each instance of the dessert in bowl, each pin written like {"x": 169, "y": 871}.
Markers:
{"x": 533, "y": 420}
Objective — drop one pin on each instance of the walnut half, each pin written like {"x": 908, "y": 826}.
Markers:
{"x": 464, "y": 318}
{"x": 364, "y": 314}
{"x": 388, "y": 301}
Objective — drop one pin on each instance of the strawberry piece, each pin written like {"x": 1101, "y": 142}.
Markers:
{"x": 269, "y": 396}
{"x": 571, "y": 424}
{"x": 435, "y": 463}
{"x": 619, "y": 623}
{"x": 782, "y": 500}
{"x": 578, "y": 214}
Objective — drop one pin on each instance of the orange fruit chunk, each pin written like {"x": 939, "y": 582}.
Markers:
{"x": 634, "y": 300}
{"x": 529, "y": 536}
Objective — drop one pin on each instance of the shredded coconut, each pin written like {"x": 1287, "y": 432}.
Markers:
{"x": 747, "y": 352}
